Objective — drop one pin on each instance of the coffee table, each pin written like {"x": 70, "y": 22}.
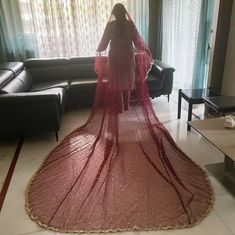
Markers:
{"x": 192, "y": 96}
{"x": 222, "y": 138}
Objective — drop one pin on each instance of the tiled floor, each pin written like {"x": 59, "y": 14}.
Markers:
{"x": 14, "y": 220}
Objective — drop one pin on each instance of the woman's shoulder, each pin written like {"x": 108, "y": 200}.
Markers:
{"x": 111, "y": 24}
{"x": 114, "y": 22}
{"x": 130, "y": 24}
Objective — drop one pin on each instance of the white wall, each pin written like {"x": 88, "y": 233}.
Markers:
{"x": 228, "y": 86}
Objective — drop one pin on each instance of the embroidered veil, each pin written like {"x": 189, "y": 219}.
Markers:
{"x": 121, "y": 170}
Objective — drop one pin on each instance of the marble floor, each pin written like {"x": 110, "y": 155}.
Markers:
{"x": 14, "y": 220}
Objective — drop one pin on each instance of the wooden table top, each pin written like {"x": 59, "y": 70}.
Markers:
{"x": 215, "y": 132}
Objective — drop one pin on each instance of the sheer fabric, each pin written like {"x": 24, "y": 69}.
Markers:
{"x": 122, "y": 170}
{"x": 15, "y": 45}
{"x": 65, "y": 28}
{"x": 180, "y": 38}
{"x": 203, "y": 52}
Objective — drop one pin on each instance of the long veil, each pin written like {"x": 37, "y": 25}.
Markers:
{"x": 121, "y": 170}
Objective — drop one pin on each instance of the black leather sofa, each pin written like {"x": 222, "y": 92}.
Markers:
{"x": 34, "y": 94}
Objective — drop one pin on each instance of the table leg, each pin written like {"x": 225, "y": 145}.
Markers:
{"x": 190, "y": 109}
{"x": 228, "y": 164}
{"x": 179, "y": 103}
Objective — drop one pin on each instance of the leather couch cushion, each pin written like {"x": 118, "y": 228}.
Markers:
{"x": 15, "y": 86}
{"x": 82, "y": 92}
{"x": 20, "y": 83}
{"x": 5, "y": 77}
{"x": 82, "y": 67}
{"x": 50, "y": 84}
{"x": 14, "y": 67}
{"x": 26, "y": 79}
{"x": 59, "y": 91}
{"x": 83, "y": 85}
{"x": 44, "y": 70}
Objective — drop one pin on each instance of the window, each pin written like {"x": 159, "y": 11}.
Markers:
{"x": 65, "y": 28}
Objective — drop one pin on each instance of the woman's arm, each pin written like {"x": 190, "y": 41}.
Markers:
{"x": 105, "y": 39}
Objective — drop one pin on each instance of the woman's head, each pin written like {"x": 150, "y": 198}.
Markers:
{"x": 119, "y": 12}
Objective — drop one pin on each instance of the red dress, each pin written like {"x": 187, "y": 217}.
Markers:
{"x": 121, "y": 53}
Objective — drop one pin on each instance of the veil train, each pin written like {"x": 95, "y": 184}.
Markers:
{"x": 122, "y": 170}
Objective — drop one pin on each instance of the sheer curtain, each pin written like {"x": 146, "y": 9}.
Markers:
{"x": 74, "y": 27}
{"x": 159, "y": 30}
{"x": 14, "y": 43}
{"x": 202, "y": 61}
{"x": 139, "y": 11}
{"x": 180, "y": 34}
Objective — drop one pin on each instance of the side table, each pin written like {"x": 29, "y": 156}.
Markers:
{"x": 192, "y": 96}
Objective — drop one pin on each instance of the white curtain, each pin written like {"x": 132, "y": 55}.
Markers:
{"x": 180, "y": 33}
{"x": 74, "y": 27}
{"x": 139, "y": 11}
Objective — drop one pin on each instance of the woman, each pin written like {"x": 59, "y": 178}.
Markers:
{"x": 120, "y": 171}
{"x": 121, "y": 33}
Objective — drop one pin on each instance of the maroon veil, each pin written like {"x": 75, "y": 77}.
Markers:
{"x": 121, "y": 170}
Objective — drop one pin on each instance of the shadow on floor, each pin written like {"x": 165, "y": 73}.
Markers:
{"x": 228, "y": 181}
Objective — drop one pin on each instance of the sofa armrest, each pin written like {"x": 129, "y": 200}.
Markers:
{"x": 160, "y": 69}
{"x": 164, "y": 74}
{"x": 29, "y": 112}
{"x": 28, "y": 98}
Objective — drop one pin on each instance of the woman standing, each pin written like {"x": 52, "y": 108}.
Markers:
{"x": 121, "y": 33}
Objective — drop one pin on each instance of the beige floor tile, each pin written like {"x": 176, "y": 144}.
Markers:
{"x": 42, "y": 232}
{"x": 230, "y": 224}
{"x": 210, "y": 225}
{"x": 213, "y": 225}
{"x": 7, "y": 150}
{"x": 219, "y": 189}
{"x": 225, "y": 209}
{"x": 225, "y": 206}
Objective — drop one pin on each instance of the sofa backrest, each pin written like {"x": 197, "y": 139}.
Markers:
{"x": 82, "y": 67}
{"x": 5, "y": 77}
{"x": 21, "y": 83}
{"x": 51, "y": 69}
{"x": 8, "y": 72}
{"x": 14, "y": 67}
